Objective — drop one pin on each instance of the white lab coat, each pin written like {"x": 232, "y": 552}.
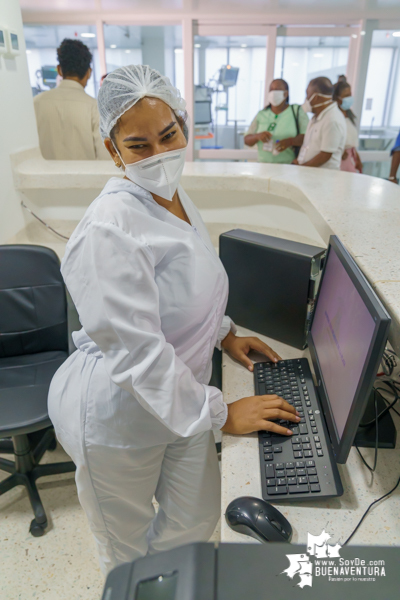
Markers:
{"x": 132, "y": 406}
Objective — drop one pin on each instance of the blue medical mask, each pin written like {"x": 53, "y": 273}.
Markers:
{"x": 347, "y": 103}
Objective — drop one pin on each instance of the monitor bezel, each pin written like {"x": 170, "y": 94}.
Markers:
{"x": 209, "y": 105}
{"x": 231, "y": 82}
{"x": 341, "y": 446}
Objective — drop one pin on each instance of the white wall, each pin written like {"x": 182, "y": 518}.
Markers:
{"x": 17, "y": 120}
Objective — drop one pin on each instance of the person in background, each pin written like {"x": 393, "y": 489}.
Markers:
{"x": 67, "y": 118}
{"x": 395, "y": 154}
{"x": 325, "y": 137}
{"x": 279, "y": 128}
{"x": 342, "y": 78}
{"x": 350, "y": 160}
{"x": 102, "y": 79}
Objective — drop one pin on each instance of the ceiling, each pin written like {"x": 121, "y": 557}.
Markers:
{"x": 297, "y": 10}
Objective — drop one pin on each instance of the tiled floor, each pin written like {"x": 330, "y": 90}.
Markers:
{"x": 61, "y": 565}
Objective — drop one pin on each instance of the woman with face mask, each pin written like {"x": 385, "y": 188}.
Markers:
{"x": 278, "y": 129}
{"x": 132, "y": 406}
{"x": 350, "y": 160}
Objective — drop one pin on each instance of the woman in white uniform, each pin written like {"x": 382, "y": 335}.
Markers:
{"x": 132, "y": 406}
{"x": 350, "y": 159}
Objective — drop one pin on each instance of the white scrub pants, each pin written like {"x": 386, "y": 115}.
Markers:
{"x": 124, "y": 457}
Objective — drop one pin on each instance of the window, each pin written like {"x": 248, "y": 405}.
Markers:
{"x": 229, "y": 73}
{"x": 42, "y": 42}
{"x": 298, "y": 59}
{"x": 157, "y": 46}
{"x": 380, "y": 118}
{"x": 381, "y": 107}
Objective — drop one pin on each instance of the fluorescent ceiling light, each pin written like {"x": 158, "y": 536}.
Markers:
{"x": 29, "y": 51}
{"x": 178, "y": 50}
{"x": 243, "y": 45}
{"x": 127, "y": 51}
{"x": 113, "y": 46}
{"x": 354, "y": 35}
{"x": 362, "y": 32}
{"x": 396, "y": 34}
{"x": 88, "y": 35}
{"x": 197, "y": 45}
{"x": 318, "y": 55}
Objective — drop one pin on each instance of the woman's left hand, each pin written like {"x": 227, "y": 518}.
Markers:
{"x": 239, "y": 348}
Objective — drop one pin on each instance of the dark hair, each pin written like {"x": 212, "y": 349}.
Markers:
{"x": 74, "y": 58}
{"x": 342, "y": 78}
{"x": 322, "y": 85}
{"x": 338, "y": 88}
{"x": 285, "y": 85}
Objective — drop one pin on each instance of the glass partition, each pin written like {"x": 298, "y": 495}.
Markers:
{"x": 298, "y": 59}
{"x": 157, "y": 46}
{"x": 380, "y": 118}
{"x": 42, "y": 42}
{"x": 229, "y": 79}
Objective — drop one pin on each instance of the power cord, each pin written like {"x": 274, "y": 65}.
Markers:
{"x": 369, "y": 508}
{"x": 376, "y": 421}
{"x": 44, "y": 222}
{"x": 390, "y": 406}
{"x": 389, "y": 362}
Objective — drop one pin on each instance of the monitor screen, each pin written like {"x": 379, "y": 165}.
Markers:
{"x": 202, "y": 112}
{"x": 228, "y": 75}
{"x": 162, "y": 587}
{"x": 49, "y": 73}
{"x": 342, "y": 333}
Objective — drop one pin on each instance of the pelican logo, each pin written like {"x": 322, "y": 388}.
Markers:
{"x": 327, "y": 562}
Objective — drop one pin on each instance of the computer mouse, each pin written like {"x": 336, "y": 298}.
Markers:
{"x": 258, "y": 519}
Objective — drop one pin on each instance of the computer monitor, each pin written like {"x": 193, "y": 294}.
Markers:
{"x": 347, "y": 339}
{"x": 228, "y": 75}
{"x": 49, "y": 75}
{"x": 202, "y": 112}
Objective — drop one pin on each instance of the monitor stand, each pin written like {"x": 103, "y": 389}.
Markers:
{"x": 365, "y": 436}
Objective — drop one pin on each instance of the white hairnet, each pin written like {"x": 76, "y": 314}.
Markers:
{"x": 125, "y": 86}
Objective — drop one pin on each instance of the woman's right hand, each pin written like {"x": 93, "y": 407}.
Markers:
{"x": 264, "y": 136}
{"x": 258, "y": 413}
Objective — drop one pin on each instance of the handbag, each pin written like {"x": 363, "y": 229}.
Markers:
{"x": 296, "y": 149}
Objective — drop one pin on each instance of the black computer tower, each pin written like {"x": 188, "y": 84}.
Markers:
{"x": 272, "y": 283}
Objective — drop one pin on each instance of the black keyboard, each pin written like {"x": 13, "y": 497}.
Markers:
{"x": 300, "y": 465}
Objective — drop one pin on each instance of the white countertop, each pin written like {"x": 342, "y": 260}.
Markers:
{"x": 338, "y": 516}
{"x": 363, "y": 211}
{"x": 365, "y": 214}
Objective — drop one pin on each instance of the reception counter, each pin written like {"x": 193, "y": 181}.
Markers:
{"x": 297, "y": 203}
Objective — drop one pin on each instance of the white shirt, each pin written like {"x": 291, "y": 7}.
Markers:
{"x": 326, "y": 132}
{"x": 351, "y": 134}
{"x": 68, "y": 124}
{"x": 151, "y": 294}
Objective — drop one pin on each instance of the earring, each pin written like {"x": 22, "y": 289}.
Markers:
{"x": 118, "y": 165}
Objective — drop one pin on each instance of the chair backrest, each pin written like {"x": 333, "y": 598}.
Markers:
{"x": 33, "y": 305}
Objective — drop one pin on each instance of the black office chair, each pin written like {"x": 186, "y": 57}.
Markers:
{"x": 33, "y": 344}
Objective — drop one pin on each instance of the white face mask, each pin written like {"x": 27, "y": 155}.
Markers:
{"x": 307, "y": 106}
{"x": 158, "y": 174}
{"x": 276, "y": 97}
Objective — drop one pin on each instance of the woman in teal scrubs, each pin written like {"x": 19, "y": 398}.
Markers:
{"x": 279, "y": 128}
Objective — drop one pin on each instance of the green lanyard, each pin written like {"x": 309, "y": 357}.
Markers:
{"x": 273, "y": 124}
